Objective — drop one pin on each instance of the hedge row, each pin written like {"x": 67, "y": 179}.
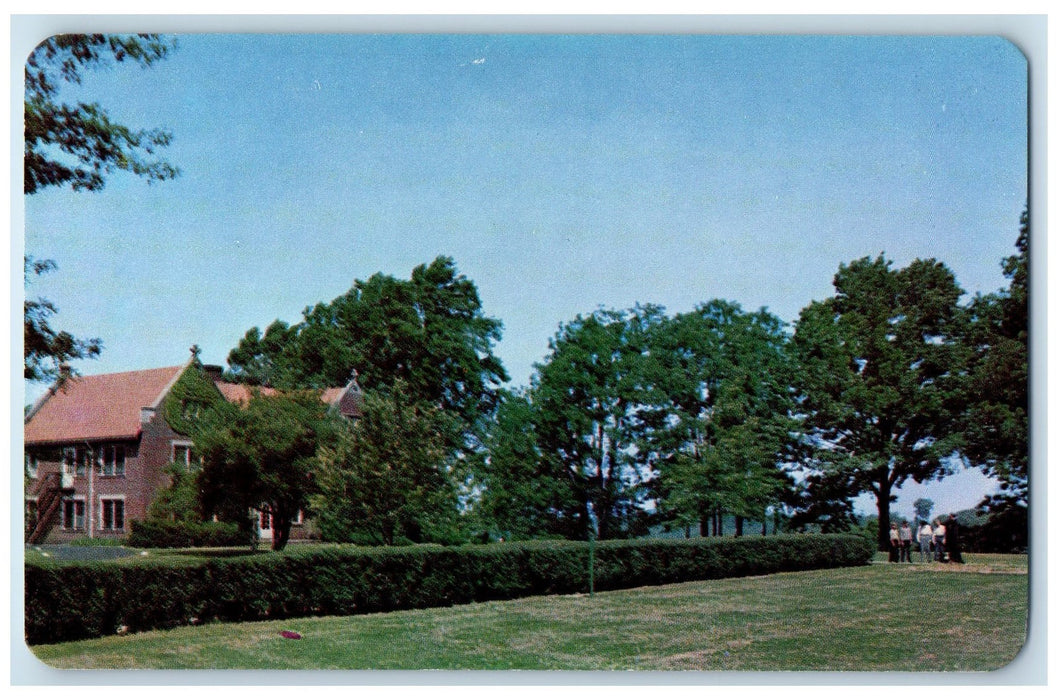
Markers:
{"x": 165, "y": 534}
{"x": 76, "y": 601}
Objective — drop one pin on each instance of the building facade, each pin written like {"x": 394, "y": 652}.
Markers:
{"x": 97, "y": 448}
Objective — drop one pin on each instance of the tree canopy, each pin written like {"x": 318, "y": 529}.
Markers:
{"x": 879, "y": 364}
{"x": 428, "y": 332}
{"x": 386, "y": 478}
{"x": 261, "y": 456}
{"x": 78, "y": 144}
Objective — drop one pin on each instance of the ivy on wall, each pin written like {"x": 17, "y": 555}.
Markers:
{"x": 189, "y": 399}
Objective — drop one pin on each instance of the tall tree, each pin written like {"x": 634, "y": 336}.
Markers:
{"x": 995, "y": 422}
{"x": 520, "y": 496}
{"x": 261, "y": 456}
{"x": 428, "y": 332}
{"x": 720, "y": 435}
{"x": 879, "y": 367}
{"x": 592, "y": 397}
{"x": 386, "y": 477}
{"x": 76, "y": 145}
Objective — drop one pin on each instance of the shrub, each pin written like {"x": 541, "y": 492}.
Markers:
{"x": 166, "y": 534}
{"x": 73, "y": 601}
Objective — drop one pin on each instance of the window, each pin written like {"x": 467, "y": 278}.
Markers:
{"x": 31, "y": 465}
{"x": 112, "y": 514}
{"x": 72, "y": 514}
{"x": 299, "y": 518}
{"x": 266, "y": 520}
{"x": 184, "y": 454}
{"x": 75, "y": 460}
{"x": 112, "y": 460}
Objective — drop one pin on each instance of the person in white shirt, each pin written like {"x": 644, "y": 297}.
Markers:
{"x": 925, "y": 540}
{"x": 939, "y": 531}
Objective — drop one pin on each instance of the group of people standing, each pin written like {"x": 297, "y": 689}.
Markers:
{"x": 939, "y": 542}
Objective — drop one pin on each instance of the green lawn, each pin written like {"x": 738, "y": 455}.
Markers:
{"x": 883, "y": 617}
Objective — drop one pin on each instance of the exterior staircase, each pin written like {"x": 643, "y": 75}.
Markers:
{"x": 49, "y": 503}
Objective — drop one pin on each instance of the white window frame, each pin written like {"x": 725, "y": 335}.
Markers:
{"x": 32, "y": 465}
{"x": 68, "y": 527}
{"x": 102, "y": 512}
{"x": 107, "y": 456}
{"x": 188, "y": 462}
{"x": 75, "y": 460}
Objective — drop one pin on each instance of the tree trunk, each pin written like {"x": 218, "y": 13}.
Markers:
{"x": 738, "y": 525}
{"x": 719, "y": 523}
{"x": 280, "y": 533}
{"x": 884, "y": 491}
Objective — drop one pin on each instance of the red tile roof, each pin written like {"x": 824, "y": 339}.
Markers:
{"x": 100, "y": 407}
{"x": 241, "y": 393}
{"x": 107, "y": 406}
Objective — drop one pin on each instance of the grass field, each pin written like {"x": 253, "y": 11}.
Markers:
{"x": 883, "y": 617}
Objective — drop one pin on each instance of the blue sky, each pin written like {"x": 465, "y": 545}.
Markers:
{"x": 562, "y": 173}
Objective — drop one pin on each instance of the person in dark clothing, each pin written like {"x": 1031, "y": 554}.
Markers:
{"x": 951, "y": 541}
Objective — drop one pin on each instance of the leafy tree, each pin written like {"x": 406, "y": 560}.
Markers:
{"x": 93, "y": 145}
{"x": 593, "y": 399}
{"x": 48, "y": 351}
{"x": 720, "y": 433}
{"x": 520, "y": 498}
{"x": 77, "y": 145}
{"x": 996, "y": 422}
{"x": 385, "y": 478}
{"x": 254, "y": 360}
{"x": 879, "y": 365}
{"x": 179, "y": 500}
{"x": 923, "y": 508}
{"x": 428, "y": 332}
{"x": 261, "y": 456}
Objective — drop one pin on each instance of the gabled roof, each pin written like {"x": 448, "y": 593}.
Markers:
{"x": 99, "y": 407}
{"x": 108, "y": 406}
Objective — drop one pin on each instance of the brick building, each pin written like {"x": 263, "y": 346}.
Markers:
{"x": 96, "y": 449}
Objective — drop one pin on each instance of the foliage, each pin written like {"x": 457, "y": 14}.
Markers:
{"x": 261, "y": 456}
{"x": 721, "y": 431}
{"x": 428, "y": 332}
{"x": 386, "y": 479}
{"x": 996, "y": 420}
{"x": 47, "y": 351}
{"x": 519, "y": 498}
{"x": 592, "y": 399}
{"x": 179, "y": 500}
{"x": 191, "y": 396}
{"x": 170, "y": 534}
{"x": 77, "y": 145}
{"x": 879, "y": 362}
{"x": 923, "y": 508}
{"x": 76, "y": 601}
{"x": 93, "y": 145}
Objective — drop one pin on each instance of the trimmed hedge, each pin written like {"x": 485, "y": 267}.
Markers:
{"x": 75, "y": 601}
{"x": 165, "y": 534}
